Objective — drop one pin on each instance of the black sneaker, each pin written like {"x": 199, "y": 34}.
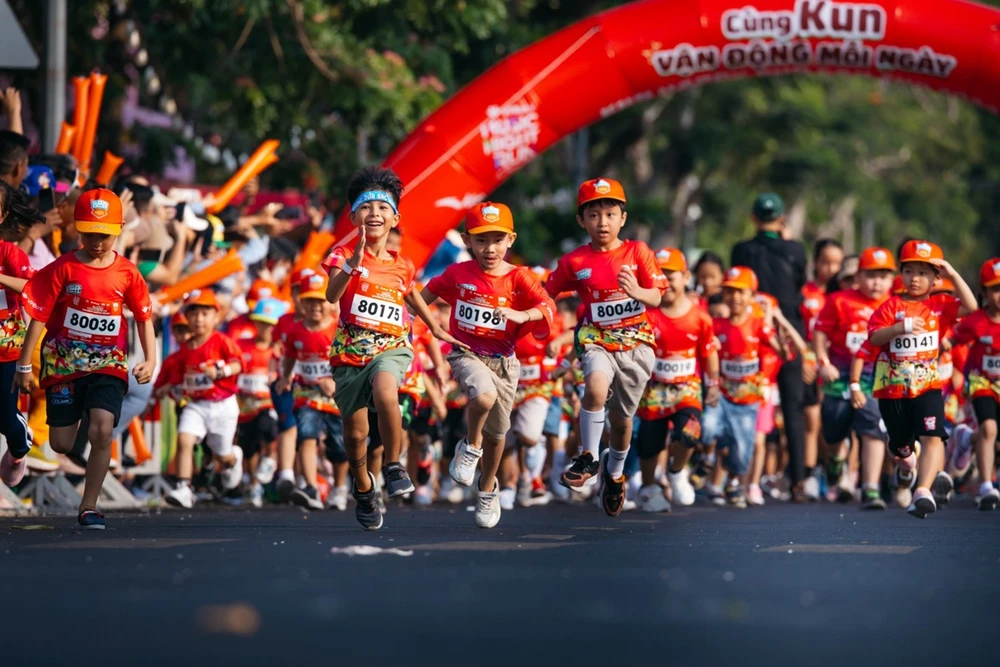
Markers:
{"x": 285, "y": 488}
{"x": 366, "y": 510}
{"x": 612, "y": 490}
{"x": 943, "y": 489}
{"x": 871, "y": 499}
{"x": 91, "y": 520}
{"x": 584, "y": 467}
{"x": 735, "y": 497}
{"x": 307, "y": 498}
{"x": 397, "y": 482}
{"x": 834, "y": 470}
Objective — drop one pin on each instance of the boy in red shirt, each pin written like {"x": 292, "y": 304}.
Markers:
{"x": 686, "y": 351}
{"x": 906, "y": 379}
{"x": 206, "y": 371}
{"x": 306, "y": 369}
{"x": 490, "y": 301}
{"x": 982, "y": 330}
{"x": 371, "y": 350}
{"x": 79, "y": 300}
{"x": 616, "y": 280}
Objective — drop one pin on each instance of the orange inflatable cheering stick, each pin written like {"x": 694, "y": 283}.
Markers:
{"x": 261, "y": 159}
{"x": 210, "y": 275}
{"x": 108, "y": 168}
{"x": 81, "y": 98}
{"x": 66, "y": 134}
{"x": 315, "y": 251}
{"x": 97, "y": 83}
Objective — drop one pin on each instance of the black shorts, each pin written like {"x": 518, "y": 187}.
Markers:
{"x": 811, "y": 395}
{"x": 260, "y": 431}
{"x": 907, "y": 419}
{"x": 840, "y": 419}
{"x": 453, "y": 429}
{"x": 66, "y": 402}
{"x": 683, "y": 426}
{"x": 986, "y": 408}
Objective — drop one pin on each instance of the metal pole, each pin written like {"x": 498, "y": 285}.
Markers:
{"x": 55, "y": 73}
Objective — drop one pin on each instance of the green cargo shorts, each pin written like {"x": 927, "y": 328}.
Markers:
{"x": 354, "y": 383}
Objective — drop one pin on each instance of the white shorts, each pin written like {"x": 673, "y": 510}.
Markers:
{"x": 528, "y": 420}
{"x": 214, "y": 421}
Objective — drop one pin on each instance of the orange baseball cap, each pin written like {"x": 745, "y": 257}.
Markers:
{"x": 942, "y": 284}
{"x": 920, "y": 251}
{"x": 201, "y": 297}
{"x": 741, "y": 277}
{"x": 671, "y": 259}
{"x": 300, "y": 275}
{"x": 489, "y": 217}
{"x": 600, "y": 188}
{"x": 989, "y": 275}
{"x": 313, "y": 287}
{"x": 876, "y": 259}
{"x": 178, "y": 320}
{"x": 99, "y": 212}
{"x": 261, "y": 289}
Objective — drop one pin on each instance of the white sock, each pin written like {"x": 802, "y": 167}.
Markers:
{"x": 616, "y": 462}
{"x": 985, "y": 488}
{"x": 591, "y": 430}
{"x": 558, "y": 464}
{"x": 536, "y": 460}
{"x": 286, "y": 474}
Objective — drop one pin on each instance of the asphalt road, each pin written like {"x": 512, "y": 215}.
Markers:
{"x": 782, "y": 585}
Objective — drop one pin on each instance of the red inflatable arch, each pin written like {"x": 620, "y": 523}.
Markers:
{"x": 625, "y": 56}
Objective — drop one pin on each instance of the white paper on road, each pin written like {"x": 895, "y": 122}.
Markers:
{"x": 367, "y": 550}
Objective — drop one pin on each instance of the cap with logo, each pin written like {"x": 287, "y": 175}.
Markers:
{"x": 671, "y": 259}
{"x": 768, "y": 207}
{"x": 201, "y": 297}
{"x": 299, "y": 275}
{"x": 98, "y": 212}
{"x": 920, "y": 251}
{"x": 313, "y": 287}
{"x": 942, "y": 285}
{"x": 178, "y": 320}
{"x": 489, "y": 217}
{"x": 38, "y": 178}
{"x": 268, "y": 310}
{"x": 989, "y": 274}
{"x": 600, "y": 188}
{"x": 260, "y": 289}
{"x": 741, "y": 277}
{"x": 876, "y": 259}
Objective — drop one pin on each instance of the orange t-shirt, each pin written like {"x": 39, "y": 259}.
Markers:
{"x": 739, "y": 358}
{"x": 682, "y": 346}
{"x": 611, "y": 318}
{"x": 254, "y": 381}
{"x": 910, "y": 366}
{"x": 982, "y": 367}
{"x": 813, "y": 300}
{"x": 310, "y": 348}
{"x": 189, "y": 371}
{"x": 82, "y": 307}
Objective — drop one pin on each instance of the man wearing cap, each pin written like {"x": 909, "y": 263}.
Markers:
{"x": 780, "y": 266}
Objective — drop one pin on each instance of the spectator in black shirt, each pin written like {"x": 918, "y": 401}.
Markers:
{"x": 780, "y": 266}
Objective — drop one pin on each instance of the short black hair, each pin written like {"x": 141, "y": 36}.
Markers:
{"x": 374, "y": 178}
{"x": 823, "y": 244}
{"x": 17, "y": 209}
{"x": 570, "y": 302}
{"x": 709, "y": 257}
{"x": 13, "y": 151}
{"x": 396, "y": 230}
{"x": 600, "y": 203}
{"x": 142, "y": 197}
{"x": 715, "y": 299}
{"x": 229, "y": 216}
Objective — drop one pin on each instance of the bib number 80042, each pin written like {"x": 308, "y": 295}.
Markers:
{"x": 612, "y": 311}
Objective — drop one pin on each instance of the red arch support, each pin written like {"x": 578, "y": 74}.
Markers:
{"x": 606, "y": 63}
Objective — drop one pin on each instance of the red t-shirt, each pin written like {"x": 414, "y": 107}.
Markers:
{"x": 813, "y": 300}
{"x": 611, "y": 318}
{"x": 682, "y": 346}
{"x": 982, "y": 367}
{"x": 310, "y": 349}
{"x": 241, "y": 328}
{"x": 189, "y": 372}
{"x": 254, "y": 381}
{"x": 13, "y": 263}
{"x": 844, "y": 321}
{"x": 739, "y": 358}
{"x": 82, "y": 307}
{"x": 475, "y": 294}
{"x": 910, "y": 366}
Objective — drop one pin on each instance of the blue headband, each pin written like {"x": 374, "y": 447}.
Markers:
{"x": 374, "y": 195}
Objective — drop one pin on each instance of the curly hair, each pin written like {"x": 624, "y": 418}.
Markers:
{"x": 16, "y": 209}
{"x": 374, "y": 178}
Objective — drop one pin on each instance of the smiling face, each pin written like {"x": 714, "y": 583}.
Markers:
{"x": 314, "y": 311}
{"x": 603, "y": 221}
{"x": 489, "y": 248}
{"x": 378, "y": 217}
{"x": 918, "y": 278}
{"x": 738, "y": 300}
{"x": 676, "y": 287}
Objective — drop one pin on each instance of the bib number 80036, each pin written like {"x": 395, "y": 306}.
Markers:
{"x": 92, "y": 324}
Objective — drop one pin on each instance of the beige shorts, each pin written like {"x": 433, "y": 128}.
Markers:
{"x": 628, "y": 370}
{"x": 528, "y": 421}
{"x": 480, "y": 375}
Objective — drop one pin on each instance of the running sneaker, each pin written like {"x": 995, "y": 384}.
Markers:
{"x": 871, "y": 499}
{"x": 961, "y": 452}
{"x": 337, "y": 500}
{"x": 834, "y": 470}
{"x": 755, "y": 496}
{"x": 540, "y": 496}
{"x": 423, "y": 496}
{"x": 11, "y": 469}
{"x": 307, "y": 498}
{"x": 612, "y": 489}
{"x": 584, "y": 468}
{"x": 680, "y": 485}
{"x": 845, "y": 488}
{"x": 233, "y": 475}
{"x": 266, "y": 469}
{"x": 463, "y": 466}
{"x": 923, "y": 504}
{"x": 735, "y": 497}
{"x": 524, "y": 490}
{"x": 451, "y": 492}
{"x": 507, "y": 497}
{"x": 91, "y": 520}
{"x": 366, "y": 510}
{"x": 810, "y": 486}
{"x": 651, "y": 499}
{"x": 256, "y": 495}
{"x": 488, "y": 508}
{"x": 988, "y": 499}
{"x": 397, "y": 482}
{"x": 285, "y": 487}
{"x": 715, "y": 494}
{"x": 902, "y": 488}
{"x": 232, "y": 498}
{"x": 182, "y": 496}
{"x": 425, "y": 463}
{"x": 943, "y": 488}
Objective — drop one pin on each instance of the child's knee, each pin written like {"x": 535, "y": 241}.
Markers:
{"x": 485, "y": 401}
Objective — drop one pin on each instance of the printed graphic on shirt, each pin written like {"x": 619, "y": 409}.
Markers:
{"x": 982, "y": 365}
{"x": 13, "y": 263}
{"x": 844, "y": 321}
{"x": 681, "y": 345}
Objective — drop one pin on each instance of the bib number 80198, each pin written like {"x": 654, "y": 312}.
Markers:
{"x": 470, "y": 314}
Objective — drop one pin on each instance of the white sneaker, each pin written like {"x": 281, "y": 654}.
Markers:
{"x": 256, "y": 495}
{"x": 182, "y": 496}
{"x": 680, "y": 484}
{"x": 422, "y": 496}
{"x": 463, "y": 467}
{"x": 266, "y": 469}
{"x": 652, "y": 500}
{"x": 488, "y": 507}
{"x": 811, "y": 488}
{"x": 524, "y": 490}
{"x": 755, "y": 496}
{"x": 451, "y": 492}
{"x": 507, "y": 497}
{"x": 233, "y": 475}
{"x": 846, "y": 489}
{"x": 988, "y": 499}
{"x": 337, "y": 500}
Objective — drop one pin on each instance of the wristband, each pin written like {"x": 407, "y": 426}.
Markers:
{"x": 854, "y": 386}
{"x": 711, "y": 382}
{"x": 27, "y": 368}
{"x": 220, "y": 364}
{"x": 908, "y": 325}
{"x": 348, "y": 269}
{"x": 226, "y": 371}
{"x": 566, "y": 363}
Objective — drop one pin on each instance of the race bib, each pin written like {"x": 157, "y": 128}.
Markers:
{"x": 480, "y": 318}
{"x": 991, "y": 366}
{"x": 671, "y": 370}
{"x": 737, "y": 369}
{"x": 531, "y": 373}
{"x": 194, "y": 382}
{"x": 378, "y": 308}
{"x": 312, "y": 372}
{"x": 617, "y": 311}
{"x": 855, "y": 339}
{"x": 254, "y": 384}
{"x": 914, "y": 344}
{"x": 86, "y": 325}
